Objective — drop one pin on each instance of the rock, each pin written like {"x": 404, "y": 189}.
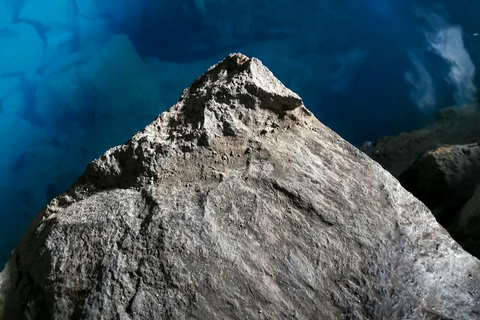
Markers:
{"x": 209, "y": 213}
{"x": 444, "y": 179}
{"x": 440, "y": 165}
{"x": 453, "y": 126}
{"x": 466, "y": 225}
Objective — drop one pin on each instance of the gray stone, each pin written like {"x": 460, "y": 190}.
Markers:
{"x": 237, "y": 203}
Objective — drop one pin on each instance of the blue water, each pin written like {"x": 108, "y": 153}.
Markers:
{"x": 78, "y": 77}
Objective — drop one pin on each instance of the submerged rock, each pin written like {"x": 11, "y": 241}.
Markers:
{"x": 237, "y": 203}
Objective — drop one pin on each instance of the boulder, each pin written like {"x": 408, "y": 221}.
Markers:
{"x": 444, "y": 179}
{"x": 440, "y": 165}
{"x": 452, "y": 126}
{"x": 237, "y": 203}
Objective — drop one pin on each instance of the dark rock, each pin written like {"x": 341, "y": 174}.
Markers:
{"x": 440, "y": 165}
{"x": 444, "y": 179}
{"x": 453, "y": 126}
{"x": 300, "y": 226}
{"x": 465, "y": 226}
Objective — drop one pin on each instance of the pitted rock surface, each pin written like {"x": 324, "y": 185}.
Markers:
{"x": 237, "y": 203}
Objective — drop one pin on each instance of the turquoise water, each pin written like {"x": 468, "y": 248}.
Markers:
{"x": 78, "y": 77}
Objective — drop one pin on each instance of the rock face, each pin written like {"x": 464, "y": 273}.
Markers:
{"x": 237, "y": 203}
{"x": 440, "y": 165}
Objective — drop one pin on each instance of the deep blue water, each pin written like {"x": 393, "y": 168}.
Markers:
{"x": 78, "y": 77}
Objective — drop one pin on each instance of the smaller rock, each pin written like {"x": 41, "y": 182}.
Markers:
{"x": 444, "y": 179}
{"x": 466, "y": 226}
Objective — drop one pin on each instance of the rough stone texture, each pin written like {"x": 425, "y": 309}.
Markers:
{"x": 440, "y": 165}
{"x": 238, "y": 203}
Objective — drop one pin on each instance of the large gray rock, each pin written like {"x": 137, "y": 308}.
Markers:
{"x": 237, "y": 203}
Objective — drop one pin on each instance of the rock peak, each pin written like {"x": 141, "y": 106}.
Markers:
{"x": 234, "y": 96}
{"x": 244, "y": 81}
{"x": 231, "y": 62}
